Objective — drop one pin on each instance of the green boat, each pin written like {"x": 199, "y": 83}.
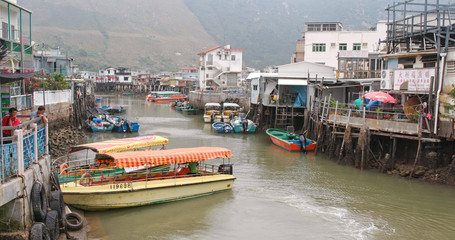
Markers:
{"x": 189, "y": 111}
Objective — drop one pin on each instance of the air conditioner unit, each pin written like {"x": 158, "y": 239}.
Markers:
{"x": 218, "y": 52}
{"x": 386, "y": 79}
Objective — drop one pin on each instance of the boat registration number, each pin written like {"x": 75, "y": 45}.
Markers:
{"x": 121, "y": 186}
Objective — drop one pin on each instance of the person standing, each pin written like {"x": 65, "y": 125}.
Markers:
{"x": 41, "y": 112}
{"x": 10, "y": 120}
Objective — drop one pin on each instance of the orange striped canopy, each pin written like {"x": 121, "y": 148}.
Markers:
{"x": 124, "y": 144}
{"x": 179, "y": 155}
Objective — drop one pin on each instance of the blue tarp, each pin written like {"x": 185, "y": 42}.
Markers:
{"x": 301, "y": 97}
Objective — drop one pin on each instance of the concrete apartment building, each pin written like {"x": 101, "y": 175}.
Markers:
{"x": 323, "y": 42}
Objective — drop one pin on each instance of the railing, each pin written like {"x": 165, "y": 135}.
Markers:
{"x": 358, "y": 74}
{"x": 26, "y": 146}
{"x": 22, "y": 102}
{"x": 86, "y": 175}
{"x": 343, "y": 113}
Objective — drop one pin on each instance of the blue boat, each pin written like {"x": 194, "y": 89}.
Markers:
{"x": 243, "y": 125}
{"x": 222, "y": 127}
{"x": 98, "y": 99}
{"x": 124, "y": 125}
{"x": 99, "y": 120}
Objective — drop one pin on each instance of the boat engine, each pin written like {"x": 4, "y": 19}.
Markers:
{"x": 225, "y": 169}
{"x": 302, "y": 140}
{"x": 245, "y": 124}
{"x": 212, "y": 117}
{"x": 128, "y": 126}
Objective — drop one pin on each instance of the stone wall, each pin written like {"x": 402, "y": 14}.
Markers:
{"x": 199, "y": 99}
{"x": 55, "y": 112}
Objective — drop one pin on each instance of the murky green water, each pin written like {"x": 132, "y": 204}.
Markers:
{"x": 277, "y": 194}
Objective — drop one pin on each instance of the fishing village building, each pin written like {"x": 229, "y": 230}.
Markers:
{"x": 220, "y": 68}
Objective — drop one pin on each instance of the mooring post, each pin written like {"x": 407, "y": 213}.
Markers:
{"x": 344, "y": 137}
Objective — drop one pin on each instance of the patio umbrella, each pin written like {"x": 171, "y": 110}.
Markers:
{"x": 380, "y": 96}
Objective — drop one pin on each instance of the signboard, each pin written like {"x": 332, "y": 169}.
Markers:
{"x": 417, "y": 80}
{"x": 353, "y": 54}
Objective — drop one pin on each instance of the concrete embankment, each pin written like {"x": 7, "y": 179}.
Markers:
{"x": 199, "y": 99}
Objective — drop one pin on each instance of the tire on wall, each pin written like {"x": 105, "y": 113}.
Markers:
{"x": 56, "y": 203}
{"x": 52, "y": 224}
{"x": 39, "y": 202}
{"x": 38, "y": 231}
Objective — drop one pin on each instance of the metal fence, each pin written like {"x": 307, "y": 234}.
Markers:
{"x": 27, "y": 145}
{"x": 22, "y": 102}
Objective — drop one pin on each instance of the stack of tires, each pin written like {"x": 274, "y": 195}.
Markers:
{"x": 49, "y": 216}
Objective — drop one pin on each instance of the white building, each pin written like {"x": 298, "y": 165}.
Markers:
{"x": 106, "y": 75}
{"x": 220, "y": 68}
{"x": 323, "y": 41}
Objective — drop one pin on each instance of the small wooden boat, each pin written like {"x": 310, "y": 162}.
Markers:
{"x": 289, "y": 140}
{"x": 243, "y": 125}
{"x": 124, "y": 125}
{"x": 164, "y": 96}
{"x": 72, "y": 170}
{"x": 127, "y": 94}
{"x": 189, "y": 111}
{"x": 212, "y": 112}
{"x": 189, "y": 178}
{"x": 99, "y": 120}
{"x": 98, "y": 99}
{"x": 112, "y": 110}
{"x": 222, "y": 127}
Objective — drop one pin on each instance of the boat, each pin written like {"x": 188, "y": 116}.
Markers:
{"x": 73, "y": 169}
{"x": 98, "y": 99}
{"x": 189, "y": 110}
{"x": 176, "y": 103}
{"x": 164, "y": 96}
{"x": 127, "y": 94}
{"x": 189, "y": 177}
{"x": 230, "y": 111}
{"x": 212, "y": 111}
{"x": 112, "y": 110}
{"x": 124, "y": 125}
{"x": 243, "y": 125}
{"x": 289, "y": 140}
{"x": 222, "y": 127}
{"x": 99, "y": 120}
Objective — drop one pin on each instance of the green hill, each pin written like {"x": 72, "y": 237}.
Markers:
{"x": 167, "y": 34}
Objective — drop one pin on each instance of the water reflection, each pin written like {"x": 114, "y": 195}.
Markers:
{"x": 277, "y": 194}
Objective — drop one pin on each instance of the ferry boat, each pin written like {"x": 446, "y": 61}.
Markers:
{"x": 289, "y": 141}
{"x": 189, "y": 178}
{"x": 164, "y": 96}
{"x": 72, "y": 169}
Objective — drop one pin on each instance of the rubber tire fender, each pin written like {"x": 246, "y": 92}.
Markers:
{"x": 69, "y": 221}
{"x": 236, "y": 101}
{"x": 56, "y": 203}
{"x": 38, "y": 231}
{"x": 39, "y": 202}
{"x": 52, "y": 224}
{"x": 55, "y": 183}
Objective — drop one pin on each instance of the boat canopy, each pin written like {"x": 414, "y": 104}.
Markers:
{"x": 213, "y": 104}
{"x": 124, "y": 144}
{"x": 231, "y": 105}
{"x": 170, "y": 156}
{"x": 164, "y": 92}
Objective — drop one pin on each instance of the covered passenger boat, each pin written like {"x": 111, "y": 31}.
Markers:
{"x": 77, "y": 164}
{"x": 165, "y": 96}
{"x": 212, "y": 112}
{"x": 190, "y": 178}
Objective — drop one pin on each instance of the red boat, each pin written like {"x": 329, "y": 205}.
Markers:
{"x": 165, "y": 96}
{"x": 289, "y": 141}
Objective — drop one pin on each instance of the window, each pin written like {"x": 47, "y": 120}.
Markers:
{"x": 4, "y": 30}
{"x": 233, "y": 57}
{"x": 318, "y": 47}
{"x": 356, "y": 47}
{"x": 343, "y": 46}
{"x": 125, "y": 79}
{"x": 255, "y": 87}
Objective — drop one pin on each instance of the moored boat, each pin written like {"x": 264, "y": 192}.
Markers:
{"x": 230, "y": 111}
{"x": 164, "y": 96}
{"x": 99, "y": 120}
{"x": 124, "y": 125}
{"x": 243, "y": 125}
{"x": 189, "y": 178}
{"x": 73, "y": 169}
{"x": 290, "y": 141}
{"x": 212, "y": 111}
{"x": 222, "y": 127}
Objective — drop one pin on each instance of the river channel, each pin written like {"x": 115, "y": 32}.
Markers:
{"x": 277, "y": 194}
